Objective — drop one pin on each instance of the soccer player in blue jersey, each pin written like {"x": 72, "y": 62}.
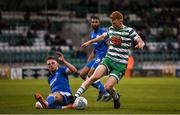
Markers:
{"x": 99, "y": 51}
{"x": 61, "y": 95}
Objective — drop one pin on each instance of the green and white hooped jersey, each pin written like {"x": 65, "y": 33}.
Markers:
{"x": 120, "y": 43}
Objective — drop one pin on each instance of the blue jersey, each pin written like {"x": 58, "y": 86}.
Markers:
{"x": 59, "y": 81}
{"x": 100, "y": 47}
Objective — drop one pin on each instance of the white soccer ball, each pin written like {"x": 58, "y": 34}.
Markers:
{"x": 80, "y": 103}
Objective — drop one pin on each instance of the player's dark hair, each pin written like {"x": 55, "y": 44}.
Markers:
{"x": 95, "y": 17}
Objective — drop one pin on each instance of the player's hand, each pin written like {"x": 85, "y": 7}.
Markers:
{"x": 140, "y": 45}
{"x": 60, "y": 56}
{"x": 85, "y": 44}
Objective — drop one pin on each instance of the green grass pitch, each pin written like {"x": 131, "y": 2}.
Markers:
{"x": 138, "y": 95}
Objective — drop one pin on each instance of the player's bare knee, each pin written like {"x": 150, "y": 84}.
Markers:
{"x": 93, "y": 79}
{"x": 107, "y": 87}
{"x": 58, "y": 96}
{"x": 82, "y": 75}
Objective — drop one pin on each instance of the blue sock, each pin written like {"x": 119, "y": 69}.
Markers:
{"x": 50, "y": 99}
{"x": 98, "y": 85}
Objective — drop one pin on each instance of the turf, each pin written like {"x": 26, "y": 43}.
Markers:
{"x": 138, "y": 95}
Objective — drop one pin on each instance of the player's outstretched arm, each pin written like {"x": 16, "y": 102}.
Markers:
{"x": 92, "y": 55}
{"x": 72, "y": 68}
{"x": 100, "y": 38}
{"x": 140, "y": 43}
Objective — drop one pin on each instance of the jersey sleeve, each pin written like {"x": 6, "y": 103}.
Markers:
{"x": 133, "y": 34}
{"x": 63, "y": 69}
{"x": 91, "y": 35}
{"x": 106, "y": 36}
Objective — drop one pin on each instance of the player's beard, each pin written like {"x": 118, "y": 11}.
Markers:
{"x": 96, "y": 28}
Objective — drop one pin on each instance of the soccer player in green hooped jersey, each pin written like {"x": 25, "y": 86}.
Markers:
{"x": 116, "y": 59}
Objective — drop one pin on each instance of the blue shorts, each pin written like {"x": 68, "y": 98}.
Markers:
{"x": 94, "y": 63}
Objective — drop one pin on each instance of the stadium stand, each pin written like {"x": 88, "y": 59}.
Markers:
{"x": 31, "y": 30}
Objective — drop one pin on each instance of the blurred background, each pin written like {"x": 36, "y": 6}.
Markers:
{"x": 30, "y": 30}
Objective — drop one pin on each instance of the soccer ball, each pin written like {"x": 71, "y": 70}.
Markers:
{"x": 80, "y": 103}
